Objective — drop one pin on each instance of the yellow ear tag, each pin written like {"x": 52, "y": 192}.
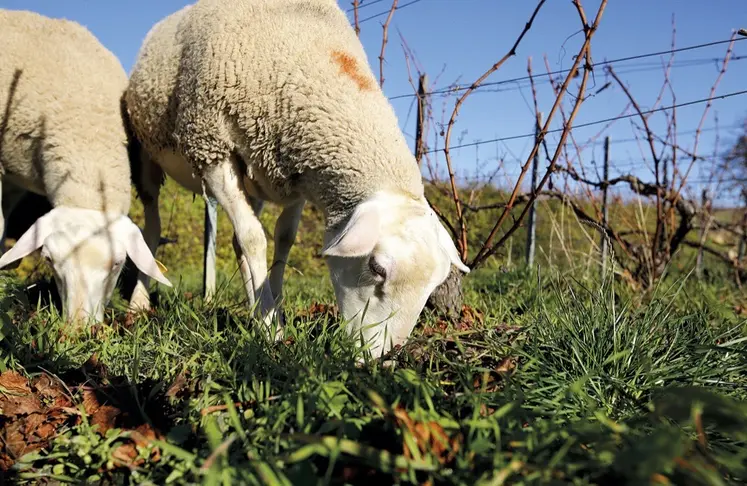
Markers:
{"x": 161, "y": 266}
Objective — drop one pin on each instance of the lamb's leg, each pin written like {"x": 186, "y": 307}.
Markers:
{"x": 244, "y": 268}
{"x": 286, "y": 228}
{"x": 210, "y": 238}
{"x": 148, "y": 189}
{"x": 224, "y": 181}
{"x": 211, "y": 230}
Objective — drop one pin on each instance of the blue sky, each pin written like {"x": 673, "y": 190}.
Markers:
{"x": 456, "y": 40}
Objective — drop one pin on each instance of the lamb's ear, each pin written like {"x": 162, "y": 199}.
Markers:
{"x": 31, "y": 240}
{"x": 359, "y": 236}
{"x": 444, "y": 239}
{"x": 138, "y": 250}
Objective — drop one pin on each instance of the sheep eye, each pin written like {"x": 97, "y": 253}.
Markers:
{"x": 376, "y": 268}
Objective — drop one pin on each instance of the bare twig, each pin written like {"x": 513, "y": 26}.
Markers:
{"x": 655, "y": 158}
{"x": 488, "y": 248}
{"x": 384, "y": 40}
{"x": 707, "y": 108}
{"x": 356, "y": 19}
{"x": 462, "y": 240}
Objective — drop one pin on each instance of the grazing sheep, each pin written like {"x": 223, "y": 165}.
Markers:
{"x": 273, "y": 100}
{"x": 62, "y": 136}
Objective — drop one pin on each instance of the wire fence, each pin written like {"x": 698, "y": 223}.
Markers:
{"x": 610, "y": 198}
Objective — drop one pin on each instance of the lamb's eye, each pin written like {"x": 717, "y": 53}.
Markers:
{"x": 376, "y": 268}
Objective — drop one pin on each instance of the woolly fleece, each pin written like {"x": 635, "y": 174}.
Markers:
{"x": 283, "y": 85}
{"x": 61, "y": 129}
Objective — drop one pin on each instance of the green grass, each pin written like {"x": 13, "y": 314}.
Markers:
{"x": 550, "y": 377}
{"x": 552, "y": 380}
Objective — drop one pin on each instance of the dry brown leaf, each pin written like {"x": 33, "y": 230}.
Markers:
{"x": 126, "y": 454}
{"x": 429, "y": 437}
{"x": 471, "y": 316}
{"x": 94, "y": 366}
{"x": 46, "y": 431}
{"x": 14, "y": 383}
{"x": 48, "y": 387}
{"x": 6, "y": 462}
{"x": 90, "y": 401}
{"x": 142, "y": 436}
{"x": 318, "y": 309}
{"x": 15, "y": 441}
{"x": 486, "y": 411}
{"x": 105, "y": 417}
{"x": 179, "y": 386}
{"x": 13, "y": 405}
{"x": 506, "y": 366}
{"x": 32, "y": 423}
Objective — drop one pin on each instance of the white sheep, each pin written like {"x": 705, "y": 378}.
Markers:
{"x": 273, "y": 100}
{"x": 62, "y": 136}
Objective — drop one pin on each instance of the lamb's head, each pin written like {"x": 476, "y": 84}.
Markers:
{"x": 384, "y": 264}
{"x": 86, "y": 250}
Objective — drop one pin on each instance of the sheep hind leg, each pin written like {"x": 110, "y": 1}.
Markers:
{"x": 224, "y": 181}
{"x": 149, "y": 188}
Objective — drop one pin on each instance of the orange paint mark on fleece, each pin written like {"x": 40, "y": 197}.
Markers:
{"x": 349, "y": 67}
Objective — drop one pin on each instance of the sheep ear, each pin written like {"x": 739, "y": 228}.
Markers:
{"x": 359, "y": 236}
{"x": 138, "y": 250}
{"x": 31, "y": 240}
{"x": 444, "y": 239}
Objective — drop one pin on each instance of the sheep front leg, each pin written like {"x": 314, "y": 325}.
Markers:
{"x": 224, "y": 181}
{"x": 211, "y": 230}
{"x": 286, "y": 228}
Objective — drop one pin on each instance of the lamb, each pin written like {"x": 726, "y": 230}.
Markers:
{"x": 273, "y": 100}
{"x": 62, "y": 136}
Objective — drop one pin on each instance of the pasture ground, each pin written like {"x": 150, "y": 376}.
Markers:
{"x": 556, "y": 376}
{"x": 544, "y": 380}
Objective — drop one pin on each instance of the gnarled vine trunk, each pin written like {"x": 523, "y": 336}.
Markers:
{"x": 447, "y": 299}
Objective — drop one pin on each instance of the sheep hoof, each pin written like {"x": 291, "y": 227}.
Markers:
{"x": 274, "y": 320}
{"x": 388, "y": 364}
{"x": 139, "y": 306}
{"x": 140, "y": 300}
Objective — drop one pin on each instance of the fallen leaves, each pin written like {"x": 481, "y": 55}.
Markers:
{"x": 428, "y": 438}
{"x": 17, "y": 398}
{"x": 490, "y": 381}
{"x": 421, "y": 438}
{"x": 317, "y": 310}
{"x": 127, "y": 453}
{"x": 33, "y": 413}
{"x": 30, "y": 414}
{"x": 180, "y": 387}
{"x": 469, "y": 318}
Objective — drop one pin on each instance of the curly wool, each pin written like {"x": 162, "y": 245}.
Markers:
{"x": 61, "y": 127}
{"x": 283, "y": 85}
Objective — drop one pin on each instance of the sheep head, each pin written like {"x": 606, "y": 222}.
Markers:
{"x": 87, "y": 250}
{"x": 384, "y": 263}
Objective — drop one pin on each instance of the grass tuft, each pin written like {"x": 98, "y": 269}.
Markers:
{"x": 545, "y": 379}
